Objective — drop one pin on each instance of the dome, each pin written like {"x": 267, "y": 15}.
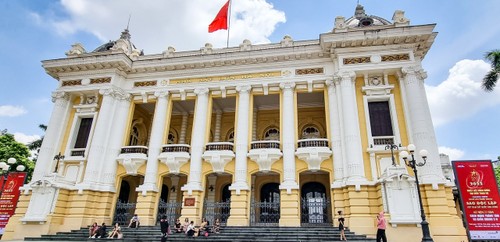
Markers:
{"x": 361, "y": 19}
{"x": 123, "y": 43}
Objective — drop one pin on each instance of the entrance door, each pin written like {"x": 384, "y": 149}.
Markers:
{"x": 315, "y": 206}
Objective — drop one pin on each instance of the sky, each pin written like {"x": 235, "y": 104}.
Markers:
{"x": 466, "y": 118}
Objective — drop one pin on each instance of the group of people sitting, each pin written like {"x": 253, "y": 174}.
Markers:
{"x": 96, "y": 231}
{"x": 191, "y": 230}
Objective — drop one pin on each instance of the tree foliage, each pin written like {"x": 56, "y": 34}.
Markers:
{"x": 490, "y": 80}
{"x": 10, "y": 148}
{"x": 36, "y": 144}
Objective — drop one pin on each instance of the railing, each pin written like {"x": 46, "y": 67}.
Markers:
{"x": 216, "y": 210}
{"x": 175, "y": 148}
{"x": 383, "y": 140}
{"x": 265, "y": 144}
{"x": 265, "y": 213}
{"x": 78, "y": 152}
{"x": 219, "y": 146}
{"x": 312, "y": 143}
{"x": 134, "y": 150}
{"x": 171, "y": 210}
{"x": 315, "y": 211}
{"x": 123, "y": 212}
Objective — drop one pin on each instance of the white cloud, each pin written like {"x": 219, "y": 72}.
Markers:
{"x": 454, "y": 154}
{"x": 157, "y": 24}
{"x": 24, "y": 138}
{"x": 11, "y": 111}
{"x": 460, "y": 95}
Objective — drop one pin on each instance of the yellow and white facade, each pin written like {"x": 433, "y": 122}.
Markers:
{"x": 228, "y": 133}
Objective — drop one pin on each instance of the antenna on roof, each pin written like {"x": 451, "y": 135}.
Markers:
{"x": 130, "y": 16}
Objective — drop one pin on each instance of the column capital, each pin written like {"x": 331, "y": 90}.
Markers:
{"x": 161, "y": 94}
{"x": 59, "y": 95}
{"x": 414, "y": 70}
{"x": 330, "y": 82}
{"x": 287, "y": 85}
{"x": 201, "y": 91}
{"x": 345, "y": 75}
{"x": 243, "y": 88}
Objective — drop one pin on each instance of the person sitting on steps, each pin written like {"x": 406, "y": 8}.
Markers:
{"x": 216, "y": 228}
{"x": 191, "y": 230}
{"x": 93, "y": 230}
{"x": 117, "y": 232}
{"x": 134, "y": 222}
{"x": 178, "y": 226}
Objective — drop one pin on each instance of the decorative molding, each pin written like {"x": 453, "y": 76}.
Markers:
{"x": 100, "y": 80}
{"x": 242, "y": 76}
{"x": 309, "y": 71}
{"x": 396, "y": 57}
{"x": 71, "y": 83}
{"x": 132, "y": 162}
{"x": 357, "y": 60}
{"x": 145, "y": 84}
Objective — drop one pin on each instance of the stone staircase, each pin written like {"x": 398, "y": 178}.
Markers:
{"x": 227, "y": 234}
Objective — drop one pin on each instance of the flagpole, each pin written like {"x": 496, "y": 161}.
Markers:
{"x": 228, "y": 24}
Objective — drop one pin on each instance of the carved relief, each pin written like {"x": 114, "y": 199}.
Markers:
{"x": 71, "y": 83}
{"x": 100, "y": 80}
{"x": 145, "y": 84}
{"x": 357, "y": 60}
{"x": 396, "y": 57}
{"x": 309, "y": 71}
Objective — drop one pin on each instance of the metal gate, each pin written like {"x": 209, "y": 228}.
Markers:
{"x": 264, "y": 213}
{"x": 315, "y": 211}
{"x": 216, "y": 210}
{"x": 123, "y": 212}
{"x": 171, "y": 210}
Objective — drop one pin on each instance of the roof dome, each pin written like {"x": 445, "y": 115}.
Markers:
{"x": 361, "y": 19}
{"x": 123, "y": 44}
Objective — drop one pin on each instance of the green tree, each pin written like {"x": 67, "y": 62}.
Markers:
{"x": 490, "y": 80}
{"x": 497, "y": 172}
{"x": 35, "y": 145}
{"x": 10, "y": 148}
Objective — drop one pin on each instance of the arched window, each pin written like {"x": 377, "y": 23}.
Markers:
{"x": 270, "y": 192}
{"x": 272, "y": 133}
{"x": 134, "y": 136}
{"x": 230, "y": 136}
{"x": 310, "y": 132}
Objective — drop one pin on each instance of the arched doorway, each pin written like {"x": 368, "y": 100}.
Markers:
{"x": 127, "y": 199}
{"x": 315, "y": 205}
{"x": 217, "y": 202}
{"x": 170, "y": 200}
{"x": 265, "y": 202}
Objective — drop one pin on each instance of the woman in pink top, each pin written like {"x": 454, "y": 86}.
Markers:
{"x": 381, "y": 224}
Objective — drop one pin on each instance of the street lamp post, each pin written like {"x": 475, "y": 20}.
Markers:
{"x": 58, "y": 158}
{"x": 5, "y": 170}
{"x": 392, "y": 147}
{"x": 412, "y": 162}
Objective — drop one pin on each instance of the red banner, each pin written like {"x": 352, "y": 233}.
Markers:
{"x": 478, "y": 191}
{"x": 10, "y": 196}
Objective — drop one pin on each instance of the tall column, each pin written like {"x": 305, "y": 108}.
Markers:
{"x": 98, "y": 146}
{"x": 184, "y": 124}
{"x": 197, "y": 140}
{"x": 218, "y": 119}
{"x": 352, "y": 136}
{"x": 335, "y": 134}
{"x": 240, "y": 177}
{"x": 254, "y": 125}
{"x": 155, "y": 143}
{"x": 109, "y": 164}
{"x": 422, "y": 129}
{"x": 55, "y": 127}
{"x": 288, "y": 136}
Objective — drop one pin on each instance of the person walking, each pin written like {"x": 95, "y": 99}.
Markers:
{"x": 381, "y": 225}
{"x": 164, "y": 228}
{"x": 341, "y": 220}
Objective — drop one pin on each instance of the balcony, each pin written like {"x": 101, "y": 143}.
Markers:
{"x": 132, "y": 157}
{"x": 174, "y": 156}
{"x": 383, "y": 140}
{"x": 313, "y": 152}
{"x": 218, "y": 154}
{"x": 265, "y": 153}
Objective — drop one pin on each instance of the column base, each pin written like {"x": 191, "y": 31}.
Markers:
{"x": 147, "y": 187}
{"x": 290, "y": 208}
{"x": 289, "y": 186}
{"x": 190, "y": 187}
{"x": 239, "y": 186}
{"x": 239, "y": 209}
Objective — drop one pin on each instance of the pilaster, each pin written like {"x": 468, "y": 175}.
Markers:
{"x": 335, "y": 134}
{"x": 184, "y": 124}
